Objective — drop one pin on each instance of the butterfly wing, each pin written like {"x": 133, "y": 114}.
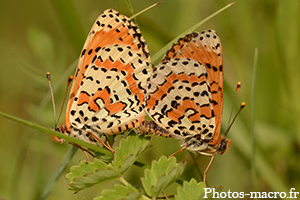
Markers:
{"x": 185, "y": 92}
{"x": 206, "y": 48}
{"x": 107, "y": 92}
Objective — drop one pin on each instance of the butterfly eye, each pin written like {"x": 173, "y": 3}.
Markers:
{"x": 224, "y": 145}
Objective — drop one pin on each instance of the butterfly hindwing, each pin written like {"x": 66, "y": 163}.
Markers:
{"x": 184, "y": 94}
{"x": 173, "y": 99}
{"x": 206, "y": 48}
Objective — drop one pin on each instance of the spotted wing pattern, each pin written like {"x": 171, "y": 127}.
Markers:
{"x": 108, "y": 89}
{"x": 184, "y": 94}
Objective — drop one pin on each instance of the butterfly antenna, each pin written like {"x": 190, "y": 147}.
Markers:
{"x": 66, "y": 93}
{"x": 241, "y": 108}
{"x": 52, "y": 97}
{"x": 238, "y": 86}
{"x": 243, "y": 104}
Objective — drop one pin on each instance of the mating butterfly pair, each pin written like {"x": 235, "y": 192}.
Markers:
{"x": 114, "y": 86}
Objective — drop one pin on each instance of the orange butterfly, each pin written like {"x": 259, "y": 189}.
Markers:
{"x": 184, "y": 94}
{"x": 108, "y": 89}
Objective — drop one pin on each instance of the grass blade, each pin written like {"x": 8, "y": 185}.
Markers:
{"x": 253, "y": 169}
{"x": 58, "y": 172}
{"x": 55, "y": 133}
{"x": 163, "y": 50}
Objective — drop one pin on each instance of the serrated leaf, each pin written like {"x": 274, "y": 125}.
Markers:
{"x": 162, "y": 173}
{"x": 83, "y": 168}
{"x": 190, "y": 190}
{"x": 88, "y": 174}
{"x": 105, "y": 158}
{"x": 120, "y": 192}
{"x": 128, "y": 151}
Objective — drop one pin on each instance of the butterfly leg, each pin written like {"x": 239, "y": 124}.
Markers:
{"x": 177, "y": 152}
{"x": 85, "y": 151}
{"x": 108, "y": 142}
{"x": 107, "y": 146}
{"x": 58, "y": 140}
{"x": 208, "y": 166}
{"x": 195, "y": 162}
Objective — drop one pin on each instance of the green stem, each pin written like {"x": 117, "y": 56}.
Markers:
{"x": 122, "y": 180}
{"x": 253, "y": 169}
{"x": 57, "y": 134}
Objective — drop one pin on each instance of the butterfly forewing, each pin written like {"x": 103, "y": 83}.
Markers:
{"x": 108, "y": 89}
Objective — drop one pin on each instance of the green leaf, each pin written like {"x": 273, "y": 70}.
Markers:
{"x": 128, "y": 151}
{"x": 83, "y": 168}
{"x": 120, "y": 192}
{"x": 190, "y": 190}
{"x": 163, "y": 172}
{"x": 105, "y": 158}
{"x": 88, "y": 174}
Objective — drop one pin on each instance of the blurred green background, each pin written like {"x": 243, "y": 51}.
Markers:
{"x": 41, "y": 36}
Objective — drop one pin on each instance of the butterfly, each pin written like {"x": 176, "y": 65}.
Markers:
{"x": 184, "y": 94}
{"x": 108, "y": 87}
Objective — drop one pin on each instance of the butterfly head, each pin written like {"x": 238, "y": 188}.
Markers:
{"x": 61, "y": 130}
{"x": 224, "y": 145}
